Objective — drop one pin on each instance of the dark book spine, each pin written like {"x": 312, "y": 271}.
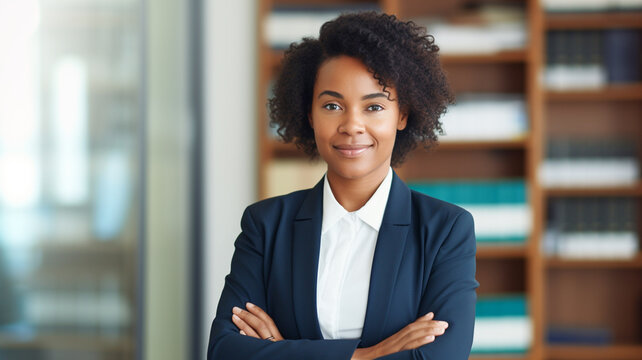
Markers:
{"x": 622, "y": 55}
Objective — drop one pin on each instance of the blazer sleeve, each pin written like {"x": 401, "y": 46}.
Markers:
{"x": 245, "y": 283}
{"x": 450, "y": 295}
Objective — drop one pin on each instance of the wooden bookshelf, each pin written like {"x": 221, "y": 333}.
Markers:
{"x": 600, "y": 20}
{"x": 557, "y": 263}
{"x": 482, "y": 144}
{"x": 501, "y": 251}
{"x": 632, "y": 191}
{"x": 627, "y": 92}
{"x": 514, "y": 56}
{"x": 614, "y": 352}
{"x": 551, "y": 285}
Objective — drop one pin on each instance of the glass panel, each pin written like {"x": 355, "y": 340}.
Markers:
{"x": 70, "y": 99}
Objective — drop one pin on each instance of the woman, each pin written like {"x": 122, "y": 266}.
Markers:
{"x": 358, "y": 267}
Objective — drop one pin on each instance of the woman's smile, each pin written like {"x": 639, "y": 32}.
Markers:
{"x": 352, "y": 151}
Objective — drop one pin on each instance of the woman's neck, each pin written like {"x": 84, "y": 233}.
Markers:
{"x": 353, "y": 194}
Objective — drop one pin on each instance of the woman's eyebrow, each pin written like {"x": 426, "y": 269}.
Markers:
{"x": 365, "y": 97}
{"x": 331, "y": 93}
{"x": 375, "y": 95}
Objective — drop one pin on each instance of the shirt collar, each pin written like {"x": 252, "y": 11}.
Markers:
{"x": 371, "y": 213}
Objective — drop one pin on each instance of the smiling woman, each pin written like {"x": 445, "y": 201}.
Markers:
{"x": 360, "y": 266}
{"x": 355, "y": 125}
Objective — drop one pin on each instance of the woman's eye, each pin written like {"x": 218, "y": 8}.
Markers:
{"x": 375, "y": 108}
{"x": 331, "y": 107}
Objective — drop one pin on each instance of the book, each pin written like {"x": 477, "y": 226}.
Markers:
{"x": 499, "y": 208}
{"x": 572, "y": 162}
{"x": 489, "y": 117}
{"x": 502, "y": 325}
{"x": 592, "y": 228}
{"x": 288, "y": 24}
{"x": 565, "y": 335}
{"x": 574, "y": 60}
{"x": 590, "y": 5}
{"x": 622, "y": 55}
{"x": 483, "y": 29}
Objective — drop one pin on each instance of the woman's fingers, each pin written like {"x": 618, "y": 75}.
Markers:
{"x": 258, "y": 312}
{"x": 422, "y": 331}
{"x": 244, "y": 328}
{"x": 256, "y": 325}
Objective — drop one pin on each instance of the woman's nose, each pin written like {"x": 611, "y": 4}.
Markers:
{"x": 352, "y": 123}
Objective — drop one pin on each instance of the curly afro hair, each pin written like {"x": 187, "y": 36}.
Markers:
{"x": 399, "y": 54}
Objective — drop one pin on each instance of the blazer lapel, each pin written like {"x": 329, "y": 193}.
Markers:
{"x": 387, "y": 260}
{"x": 305, "y": 262}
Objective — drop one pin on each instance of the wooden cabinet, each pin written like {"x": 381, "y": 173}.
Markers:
{"x": 592, "y": 293}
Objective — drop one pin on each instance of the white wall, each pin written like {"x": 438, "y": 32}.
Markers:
{"x": 169, "y": 120}
{"x": 230, "y": 136}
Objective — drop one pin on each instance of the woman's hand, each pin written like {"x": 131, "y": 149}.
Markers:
{"x": 420, "y": 332}
{"x": 255, "y": 322}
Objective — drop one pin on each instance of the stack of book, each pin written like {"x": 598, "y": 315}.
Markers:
{"x": 481, "y": 30}
{"x": 579, "y": 335}
{"x": 490, "y": 117}
{"x": 590, "y": 5}
{"x": 500, "y": 208}
{"x": 590, "y": 163}
{"x": 592, "y": 228}
{"x": 285, "y": 25}
{"x": 584, "y": 59}
{"x": 502, "y": 325}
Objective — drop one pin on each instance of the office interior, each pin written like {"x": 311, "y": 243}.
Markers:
{"x": 133, "y": 133}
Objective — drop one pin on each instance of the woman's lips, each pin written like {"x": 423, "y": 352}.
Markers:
{"x": 351, "y": 150}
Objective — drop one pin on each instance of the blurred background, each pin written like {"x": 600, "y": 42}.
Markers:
{"x": 133, "y": 134}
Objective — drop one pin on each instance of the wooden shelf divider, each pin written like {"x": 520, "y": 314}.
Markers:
{"x": 612, "y": 352}
{"x": 624, "y": 92}
{"x": 600, "y": 20}
{"x": 635, "y": 190}
{"x": 559, "y": 263}
{"x": 513, "y": 56}
{"x": 501, "y": 251}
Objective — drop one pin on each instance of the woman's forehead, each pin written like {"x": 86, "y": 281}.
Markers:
{"x": 346, "y": 74}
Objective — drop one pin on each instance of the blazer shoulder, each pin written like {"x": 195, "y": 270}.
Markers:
{"x": 277, "y": 207}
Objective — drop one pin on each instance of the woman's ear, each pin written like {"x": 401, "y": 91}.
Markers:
{"x": 403, "y": 120}
{"x": 310, "y": 120}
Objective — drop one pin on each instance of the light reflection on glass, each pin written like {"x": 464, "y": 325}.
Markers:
{"x": 69, "y": 122}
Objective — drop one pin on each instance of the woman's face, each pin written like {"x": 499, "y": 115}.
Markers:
{"x": 354, "y": 123}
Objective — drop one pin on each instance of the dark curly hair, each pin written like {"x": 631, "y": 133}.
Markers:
{"x": 399, "y": 54}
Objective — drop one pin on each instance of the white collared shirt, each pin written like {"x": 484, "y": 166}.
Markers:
{"x": 348, "y": 241}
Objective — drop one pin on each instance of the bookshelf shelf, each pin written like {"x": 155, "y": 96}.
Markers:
{"x": 613, "y": 352}
{"x": 608, "y": 93}
{"x": 286, "y": 150}
{"x": 513, "y": 56}
{"x": 594, "y": 20}
{"x": 482, "y": 145}
{"x": 635, "y": 190}
{"x": 498, "y": 357}
{"x": 557, "y": 263}
{"x": 500, "y": 252}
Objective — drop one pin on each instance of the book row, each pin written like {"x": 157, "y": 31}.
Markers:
{"x": 591, "y": 58}
{"x": 592, "y": 228}
{"x": 590, "y": 163}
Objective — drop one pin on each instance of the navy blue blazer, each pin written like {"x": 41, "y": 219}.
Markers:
{"x": 424, "y": 261}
